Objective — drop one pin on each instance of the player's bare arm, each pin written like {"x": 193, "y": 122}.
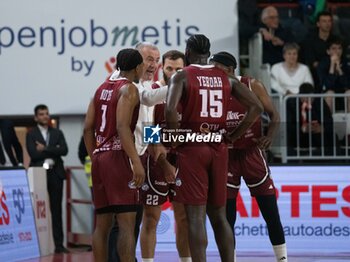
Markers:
{"x": 89, "y": 129}
{"x": 259, "y": 90}
{"x": 250, "y": 101}
{"x": 169, "y": 170}
{"x": 175, "y": 91}
{"x": 156, "y": 150}
{"x": 128, "y": 100}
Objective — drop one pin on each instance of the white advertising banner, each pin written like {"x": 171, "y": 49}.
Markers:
{"x": 40, "y": 199}
{"x": 314, "y": 205}
{"x": 58, "y": 52}
{"x": 18, "y": 238}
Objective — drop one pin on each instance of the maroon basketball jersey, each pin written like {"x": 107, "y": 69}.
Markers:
{"x": 204, "y": 105}
{"x": 235, "y": 114}
{"x": 106, "y": 101}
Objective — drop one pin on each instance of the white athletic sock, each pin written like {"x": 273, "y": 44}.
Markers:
{"x": 147, "y": 259}
{"x": 234, "y": 255}
{"x": 185, "y": 259}
{"x": 281, "y": 253}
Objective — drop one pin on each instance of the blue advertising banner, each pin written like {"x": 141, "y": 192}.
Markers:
{"x": 18, "y": 237}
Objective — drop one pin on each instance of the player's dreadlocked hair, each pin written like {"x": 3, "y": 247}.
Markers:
{"x": 199, "y": 44}
{"x": 128, "y": 59}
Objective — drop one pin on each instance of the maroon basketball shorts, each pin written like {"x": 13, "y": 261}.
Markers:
{"x": 202, "y": 173}
{"x": 155, "y": 191}
{"x": 250, "y": 164}
{"x": 111, "y": 173}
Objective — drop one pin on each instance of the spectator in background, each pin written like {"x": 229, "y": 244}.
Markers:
{"x": 9, "y": 145}
{"x": 46, "y": 145}
{"x": 315, "y": 45}
{"x": 309, "y": 119}
{"x": 274, "y": 36}
{"x": 312, "y": 8}
{"x": 248, "y": 19}
{"x": 334, "y": 72}
{"x": 287, "y": 76}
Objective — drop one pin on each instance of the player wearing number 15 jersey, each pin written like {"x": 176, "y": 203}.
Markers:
{"x": 203, "y": 92}
{"x": 109, "y": 125}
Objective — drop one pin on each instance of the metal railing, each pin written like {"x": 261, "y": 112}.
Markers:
{"x": 333, "y": 140}
{"x": 74, "y": 195}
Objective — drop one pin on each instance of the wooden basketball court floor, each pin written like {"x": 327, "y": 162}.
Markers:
{"x": 83, "y": 256}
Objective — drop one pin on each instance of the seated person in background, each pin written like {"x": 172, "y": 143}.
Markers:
{"x": 315, "y": 44}
{"x": 287, "y": 76}
{"x": 309, "y": 120}
{"x": 334, "y": 73}
{"x": 274, "y": 36}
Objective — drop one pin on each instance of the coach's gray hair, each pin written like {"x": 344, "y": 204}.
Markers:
{"x": 142, "y": 45}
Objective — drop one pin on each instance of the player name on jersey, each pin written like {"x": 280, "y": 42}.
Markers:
{"x": 106, "y": 95}
{"x": 208, "y": 81}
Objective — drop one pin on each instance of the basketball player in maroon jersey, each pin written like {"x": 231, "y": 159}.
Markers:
{"x": 247, "y": 158}
{"x": 203, "y": 91}
{"x": 159, "y": 184}
{"x": 109, "y": 125}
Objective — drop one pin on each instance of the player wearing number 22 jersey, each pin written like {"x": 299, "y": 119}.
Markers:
{"x": 110, "y": 184}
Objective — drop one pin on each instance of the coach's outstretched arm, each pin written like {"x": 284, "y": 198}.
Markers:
{"x": 151, "y": 97}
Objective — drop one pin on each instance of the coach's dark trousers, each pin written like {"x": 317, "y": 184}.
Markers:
{"x": 55, "y": 189}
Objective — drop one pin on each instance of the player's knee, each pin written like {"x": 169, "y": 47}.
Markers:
{"x": 182, "y": 224}
{"x": 150, "y": 221}
{"x": 181, "y": 220}
{"x": 217, "y": 215}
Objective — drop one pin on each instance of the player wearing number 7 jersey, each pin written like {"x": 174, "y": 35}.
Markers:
{"x": 203, "y": 91}
{"x": 108, "y": 134}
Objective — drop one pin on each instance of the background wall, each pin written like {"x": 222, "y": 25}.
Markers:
{"x": 54, "y": 52}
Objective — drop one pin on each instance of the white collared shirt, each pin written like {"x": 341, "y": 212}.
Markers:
{"x": 44, "y": 132}
{"x": 148, "y": 99}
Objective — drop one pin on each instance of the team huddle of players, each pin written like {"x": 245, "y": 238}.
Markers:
{"x": 200, "y": 178}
